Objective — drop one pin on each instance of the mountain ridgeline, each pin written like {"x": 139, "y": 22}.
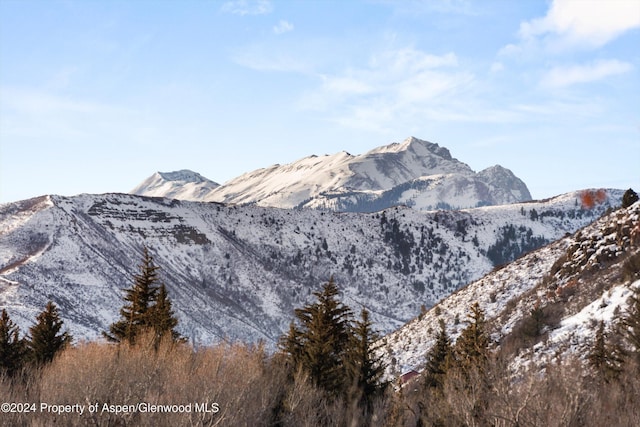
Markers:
{"x": 238, "y": 272}
{"x": 415, "y": 173}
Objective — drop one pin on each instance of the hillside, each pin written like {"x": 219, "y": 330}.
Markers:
{"x": 575, "y": 283}
{"x": 415, "y": 173}
{"x": 238, "y": 272}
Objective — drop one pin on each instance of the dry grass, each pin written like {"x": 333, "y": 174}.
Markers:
{"x": 239, "y": 385}
{"x": 250, "y": 388}
{"x": 235, "y": 379}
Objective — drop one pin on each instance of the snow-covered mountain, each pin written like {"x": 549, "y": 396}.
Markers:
{"x": 414, "y": 173}
{"x": 183, "y": 185}
{"x": 575, "y": 283}
{"x": 238, "y": 272}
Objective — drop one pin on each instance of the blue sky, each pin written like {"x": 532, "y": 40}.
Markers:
{"x": 97, "y": 95}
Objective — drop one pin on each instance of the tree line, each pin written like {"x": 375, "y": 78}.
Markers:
{"x": 42, "y": 343}
{"x": 147, "y": 307}
{"x": 468, "y": 382}
{"x": 337, "y": 353}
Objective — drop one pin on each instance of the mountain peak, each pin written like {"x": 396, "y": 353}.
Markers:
{"x": 183, "y": 184}
{"x": 183, "y": 175}
{"x": 506, "y": 181}
{"x": 418, "y": 145}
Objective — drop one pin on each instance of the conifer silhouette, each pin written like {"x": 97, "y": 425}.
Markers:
{"x": 45, "y": 338}
{"x": 12, "y": 348}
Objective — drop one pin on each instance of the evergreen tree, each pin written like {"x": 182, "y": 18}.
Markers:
{"x": 470, "y": 364}
{"x": 535, "y": 322}
{"x": 438, "y": 359}
{"x": 604, "y": 358}
{"x": 12, "y": 348}
{"x": 135, "y": 314}
{"x": 366, "y": 368}
{"x": 323, "y": 338}
{"x": 472, "y": 347}
{"x": 629, "y": 198}
{"x": 162, "y": 317}
{"x": 45, "y": 339}
{"x": 292, "y": 344}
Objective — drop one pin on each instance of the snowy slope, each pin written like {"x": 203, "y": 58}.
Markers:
{"x": 576, "y": 280}
{"x": 415, "y": 173}
{"x": 183, "y": 185}
{"x": 238, "y": 272}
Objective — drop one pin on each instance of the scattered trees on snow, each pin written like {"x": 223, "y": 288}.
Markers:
{"x": 147, "y": 310}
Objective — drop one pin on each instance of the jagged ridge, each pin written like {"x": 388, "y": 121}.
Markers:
{"x": 415, "y": 173}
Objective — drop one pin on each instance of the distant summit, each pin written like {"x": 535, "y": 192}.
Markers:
{"x": 415, "y": 173}
{"x": 183, "y": 184}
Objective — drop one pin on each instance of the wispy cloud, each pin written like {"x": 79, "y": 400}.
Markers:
{"x": 395, "y": 85}
{"x": 552, "y": 109}
{"x": 406, "y": 74}
{"x": 574, "y": 74}
{"x": 247, "y": 7}
{"x": 497, "y": 67}
{"x": 586, "y": 23}
{"x": 283, "y": 27}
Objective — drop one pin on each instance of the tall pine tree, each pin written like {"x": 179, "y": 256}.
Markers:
{"x": 320, "y": 342}
{"x": 292, "y": 344}
{"x": 147, "y": 307}
{"x": 472, "y": 347}
{"x": 469, "y": 368}
{"x": 162, "y": 317}
{"x": 605, "y": 358}
{"x": 45, "y": 338}
{"x": 12, "y": 348}
{"x": 366, "y": 369}
{"x": 438, "y": 359}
